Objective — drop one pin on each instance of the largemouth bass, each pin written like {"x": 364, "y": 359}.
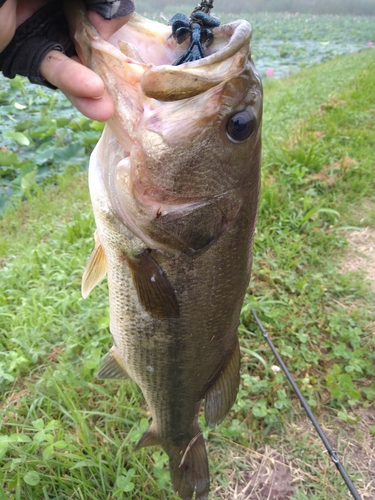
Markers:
{"x": 174, "y": 184}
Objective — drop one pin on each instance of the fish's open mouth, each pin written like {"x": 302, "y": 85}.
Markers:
{"x": 148, "y": 52}
{"x": 164, "y": 49}
{"x": 144, "y": 51}
{"x": 150, "y": 42}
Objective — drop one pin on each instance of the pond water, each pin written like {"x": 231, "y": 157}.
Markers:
{"x": 284, "y": 43}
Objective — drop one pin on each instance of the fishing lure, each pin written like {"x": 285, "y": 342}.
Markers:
{"x": 198, "y": 27}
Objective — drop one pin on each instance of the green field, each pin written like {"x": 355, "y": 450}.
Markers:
{"x": 66, "y": 435}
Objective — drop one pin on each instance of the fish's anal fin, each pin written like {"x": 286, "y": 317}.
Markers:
{"x": 221, "y": 395}
{"x": 148, "y": 438}
{"x": 155, "y": 293}
{"x": 113, "y": 366}
{"x": 189, "y": 469}
{"x": 96, "y": 269}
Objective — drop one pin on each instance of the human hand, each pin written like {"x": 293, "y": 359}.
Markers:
{"x": 83, "y": 87}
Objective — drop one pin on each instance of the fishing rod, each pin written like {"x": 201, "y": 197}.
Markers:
{"x": 332, "y": 452}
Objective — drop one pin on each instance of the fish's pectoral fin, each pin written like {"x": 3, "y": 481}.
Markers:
{"x": 221, "y": 395}
{"x": 96, "y": 269}
{"x": 113, "y": 366}
{"x": 155, "y": 293}
{"x": 189, "y": 468}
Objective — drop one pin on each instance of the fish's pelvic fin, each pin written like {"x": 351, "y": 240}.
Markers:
{"x": 96, "y": 269}
{"x": 113, "y": 366}
{"x": 149, "y": 438}
{"x": 189, "y": 469}
{"x": 221, "y": 396}
{"x": 155, "y": 293}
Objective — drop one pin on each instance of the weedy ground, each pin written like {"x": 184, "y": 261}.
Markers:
{"x": 66, "y": 435}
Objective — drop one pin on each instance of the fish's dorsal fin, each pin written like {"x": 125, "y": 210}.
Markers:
{"x": 96, "y": 269}
{"x": 113, "y": 366}
{"x": 222, "y": 394}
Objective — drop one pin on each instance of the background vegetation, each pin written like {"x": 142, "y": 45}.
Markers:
{"x": 66, "y": 435}
{"x": 340, "y": 7}
{"x": 39, "y": 144}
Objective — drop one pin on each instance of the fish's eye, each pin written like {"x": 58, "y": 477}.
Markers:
{"x": 240, "y": 126}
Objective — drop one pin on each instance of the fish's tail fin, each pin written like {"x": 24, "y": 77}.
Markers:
{"x": 188, "y": 464}
{"x": 189, "y": 469}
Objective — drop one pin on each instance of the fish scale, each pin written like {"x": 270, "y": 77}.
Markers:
{"x": 174, "y": 184}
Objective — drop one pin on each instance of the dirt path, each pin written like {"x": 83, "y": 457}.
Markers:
{"x": 361, "y": 253}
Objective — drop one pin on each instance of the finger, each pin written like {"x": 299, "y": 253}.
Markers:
{"x": 84, "y": 88}
{"x": 70, "y": 76}
{"x": 107, "y": 28}
{"x": 96, "y": 109}
{"x": 26, "y": 9}
{"x": 8, "y": 22}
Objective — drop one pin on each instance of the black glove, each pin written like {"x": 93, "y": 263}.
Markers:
{"x": 48, "y": 30}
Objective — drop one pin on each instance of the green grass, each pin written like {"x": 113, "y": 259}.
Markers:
{"x": 317, "y": 179}
{"x": 66, "y": 435}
